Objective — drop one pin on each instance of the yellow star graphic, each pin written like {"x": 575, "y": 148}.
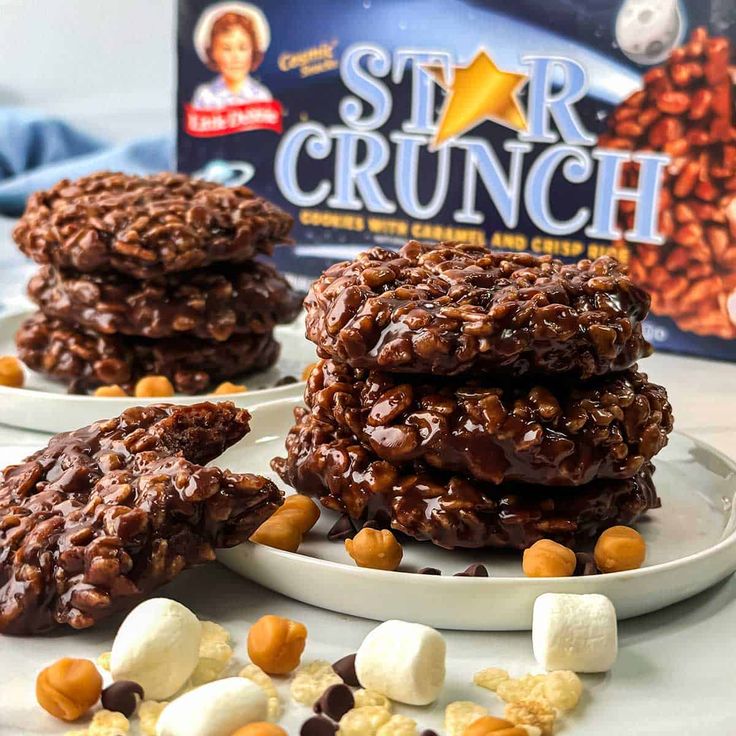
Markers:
{"x": 479, "y": 91}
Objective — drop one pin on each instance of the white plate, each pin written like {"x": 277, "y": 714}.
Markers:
{"x": 43, "y": 405}
{"x": 691, "y": 546}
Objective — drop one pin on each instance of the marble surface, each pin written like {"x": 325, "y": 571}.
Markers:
{"x": 675, "y": 669}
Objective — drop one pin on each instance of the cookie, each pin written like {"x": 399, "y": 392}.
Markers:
{"x": 558, "y": 433}
{"x": 212, "y": 304}
{"x": 455, "y": 308}
{"x": 85, "y": 360}
{"x": 146, "y": 226}
{"x": 453, "y": 510}
{"x": 105, "y": 514}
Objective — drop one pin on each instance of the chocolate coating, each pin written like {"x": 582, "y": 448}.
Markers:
{"x": 69, "y": 354}
{"x": 453, "y": 510}
{"x": 146, "y": 226}
{"x": 559, "y": 433}
{"x": 212, "y": 304}
{"x": 453, "y": 308}
{"x": 106, "y": 514}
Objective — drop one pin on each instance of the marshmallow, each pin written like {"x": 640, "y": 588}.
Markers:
{"x": 216, "y": 709}
{"x": 403, "y": 661}
{"x": 647, "y": 30}
{"x": 157, "y": 646}
{"x": 574, "y": 632}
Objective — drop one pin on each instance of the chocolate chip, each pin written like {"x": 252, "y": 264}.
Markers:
{"x": 345, "y": 667}
{"x": 342, "y": 529}
{"x": 429, "y": 732}
{"x": 585, "y": 564}
{"x": 429, "y": 571}
{"x": 286, "y": 381}
{"x": 123, "y": 697}
{"x": 335, "y": 702}
{"x": 318, "y": 726}
{"x": 476, "y": 570}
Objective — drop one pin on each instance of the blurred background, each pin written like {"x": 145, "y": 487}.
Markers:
{"x": 105, "y": 65}
{"x": 88, "y": 80}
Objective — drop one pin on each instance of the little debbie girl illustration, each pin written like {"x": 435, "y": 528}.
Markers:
{"x": 231, "y": 38}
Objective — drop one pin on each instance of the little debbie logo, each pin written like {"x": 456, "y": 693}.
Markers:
{"x": 548, "y": 140}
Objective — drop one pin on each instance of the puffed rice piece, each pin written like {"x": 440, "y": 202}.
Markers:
{"x": 460, "y": 714}
{"x": 537, "y": 713}
{"x": 363, "y": 721}
{"x": 528, "y": 687}
{"x": 562, "y": 689}
{"x": 371, "y": 697}
{"x": 79, "y": 732}
{"x": 103, "y": 661}
{"x": 398, "y": 726}
{"x": 255, "y": 674}
{"x": 215, "y": 654}
{"x": 490, "y": 678}
{"x": 311, "y": 680}
{"x": 531, "y": 730}
{"x": 108, "y": 723}
{"x": 148, "y": 714}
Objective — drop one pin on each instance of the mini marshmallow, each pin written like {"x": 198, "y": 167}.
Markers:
{"x": 575, "y": 632}
{"x": 157, "y": 646}
{"x": 218, "y": 708}
{"x": 403, "y": 661}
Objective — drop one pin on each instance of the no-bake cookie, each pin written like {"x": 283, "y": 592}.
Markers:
{"x": 556, "y": 433}
{"x": 453, "y": 510}
{"x": 146, "y": 226}
{"x": 105, "y": 514}
{"x": 86, "y": 359}
{"x": 211, "y": 304}
{"x": 453, "y": 308}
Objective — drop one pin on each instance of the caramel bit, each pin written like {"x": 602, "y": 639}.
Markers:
{"x": 276, "y": 644}
{"x": 229, "y": 388}
{"x": 620, "y": 548}
{"x": 110, "y": 391}
{"x": 548, "y": 559}
{"x": 150, "y": 386}
{"x": 374, "y": 548}
{"x": 68, "y": 688}
{"x": 11, "y": 372}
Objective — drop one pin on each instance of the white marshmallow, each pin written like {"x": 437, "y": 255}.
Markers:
{"x": 157, "y": 646}
{"x": 647, "y": 30}
{"x": 216, "y": 709}
{"x": 575, "y": 632}
{"x": 403, "y": 661}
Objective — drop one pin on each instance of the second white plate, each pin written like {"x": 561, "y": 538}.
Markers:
{"x": 44, "y": 406}
{"x": 691, "y": 546}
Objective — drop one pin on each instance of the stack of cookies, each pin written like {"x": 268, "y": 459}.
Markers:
{"x": 152, "y": 275}
{"x": 478, "y": 399}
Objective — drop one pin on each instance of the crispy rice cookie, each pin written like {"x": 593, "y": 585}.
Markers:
{"x": 105, "y": 514}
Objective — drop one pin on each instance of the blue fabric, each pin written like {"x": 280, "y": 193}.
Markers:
{"x": 36, "y": 151}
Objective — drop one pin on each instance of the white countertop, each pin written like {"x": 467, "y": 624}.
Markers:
{"x": 674, "y": 673}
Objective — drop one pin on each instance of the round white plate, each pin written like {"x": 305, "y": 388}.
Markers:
{"x": 43, "y": 405}
{"x": 691, "y": 546}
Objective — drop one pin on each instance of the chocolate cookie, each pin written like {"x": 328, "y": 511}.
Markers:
{"x": 212, "y": 304}
{"x": 104, "y": 515}
{"x": 453, "y": 308}
{"x": 146, "y": 226}
{"x": 453, "y": 510}
{"x": 87, "y": 360}
{"x": 559, "y": 433}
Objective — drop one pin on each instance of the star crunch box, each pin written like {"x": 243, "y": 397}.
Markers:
{"x": 576, "y": 128}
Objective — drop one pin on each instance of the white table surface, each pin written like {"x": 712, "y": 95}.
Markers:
{"x": 675, "y": 672}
